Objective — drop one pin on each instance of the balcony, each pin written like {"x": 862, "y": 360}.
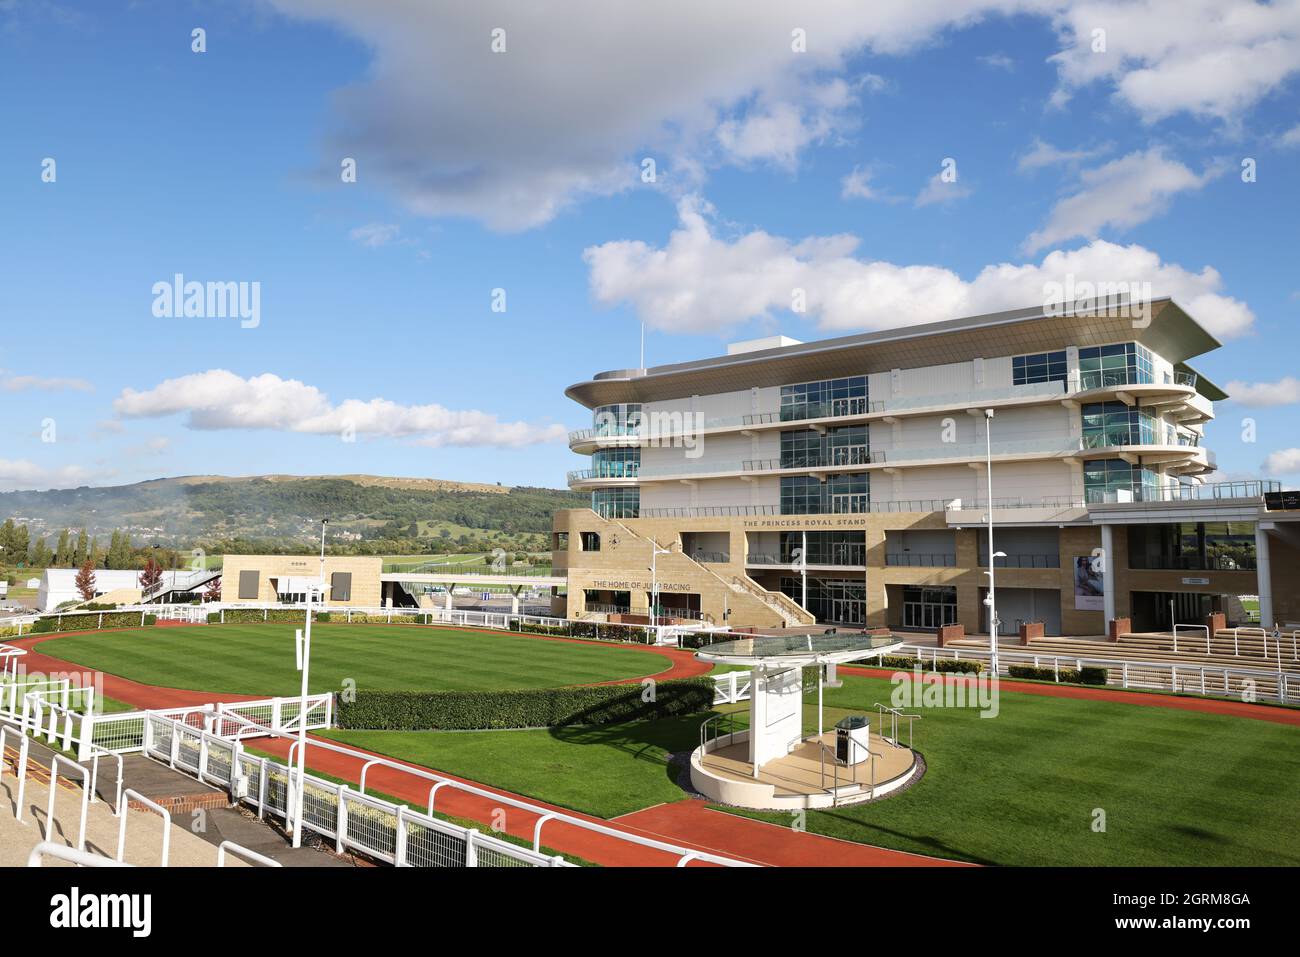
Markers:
{"x": 921, "y": 559}
{"x": 1022, "y": 560}
{"x": 611, "y": 473}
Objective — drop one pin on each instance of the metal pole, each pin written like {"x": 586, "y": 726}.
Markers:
{"x": 993, "y": 608}
{"x": 803, "y": 568}
{"x": 300, "y": 793}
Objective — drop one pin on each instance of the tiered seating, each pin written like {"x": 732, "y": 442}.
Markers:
{"x": 1157, "y": 649}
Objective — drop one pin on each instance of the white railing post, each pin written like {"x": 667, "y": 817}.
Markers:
{"x": 341, "y": 823}
{"x": 399, "y": 843}
{"x": 471, "y": 854}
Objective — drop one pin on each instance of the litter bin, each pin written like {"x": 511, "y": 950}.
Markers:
{"x": 852, "y": 735}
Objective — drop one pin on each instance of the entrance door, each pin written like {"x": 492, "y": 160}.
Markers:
{"x": 847, "y": 611}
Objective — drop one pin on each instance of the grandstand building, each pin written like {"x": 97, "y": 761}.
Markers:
{"x": 845, "y": 481}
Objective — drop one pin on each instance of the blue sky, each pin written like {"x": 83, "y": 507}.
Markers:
{"x": 521, "y": 171}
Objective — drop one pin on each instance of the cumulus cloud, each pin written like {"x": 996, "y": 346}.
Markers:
{"x": 1286, "y": 391}
{"x": 1291, "y": 137}
{"x": 1283, "y": 462}
{"x": 700, "y": 282}
{"x": 1210, "y": 58}
{"x": 585, "y": 88}
{"x": 1119, "y": 195}
{"x": 220, "y": 399}
{"x": 31, "y": 383}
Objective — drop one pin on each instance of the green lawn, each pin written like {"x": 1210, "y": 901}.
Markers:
{"x": 259, "y": 659}
{"x": 1177, "y": 787}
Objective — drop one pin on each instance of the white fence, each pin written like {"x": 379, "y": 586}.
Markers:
{"x": 381, "y": 829}
{"x": 1214, "y": 680}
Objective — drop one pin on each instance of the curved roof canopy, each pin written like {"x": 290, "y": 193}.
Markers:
{"x": 1166, "y": 329}
{"x": 790, "y": 651}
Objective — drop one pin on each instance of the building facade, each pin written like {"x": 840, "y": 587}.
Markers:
{"x": 846, "y": 481}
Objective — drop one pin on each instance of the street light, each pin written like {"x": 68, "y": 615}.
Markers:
{"x": 655, "y": 552}
{"x": 991, "y": 600}
{"x": 304, "y": 665}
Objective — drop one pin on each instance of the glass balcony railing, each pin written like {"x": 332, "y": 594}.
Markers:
{"x": 610, "y": 470}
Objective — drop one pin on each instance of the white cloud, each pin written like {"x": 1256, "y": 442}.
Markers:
{"x": 1283, "y": 462}
{"x": 219, "y": 399}
{"x": 1211, "y": 58}
{"x": 857, "y": 185}
{"x": 1285, "y": 391}
{"x": 1043, "y": 154}
{"x": 25, "y": 474}
{"x": 31, "y": 383}
{"x": 1120, "y": 194}
{"x": 699, "y": 282}
{"x": 1291, "y": 137}
{"x": 586, "y": 88}
{"x": 999, "y": 61}
{"x": 374, "y": 235}
{"x": 938, "y": 190}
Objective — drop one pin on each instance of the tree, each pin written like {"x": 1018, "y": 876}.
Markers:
{"x": 151, "y": 576}
{"x": 61, "y": 554}
{"x": 213, "y": 591}
{"x": 7, "y": 532}
{"x": 85, "y": 581}
{"x": 114, "y": 550}
{"x": 40, "y": 556}
{"x": 80, "y": 552}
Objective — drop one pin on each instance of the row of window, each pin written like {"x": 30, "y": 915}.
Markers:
{"x": 810, "y": 400}
{"x": 1114, "y": 423}
{"x": 847, "y": 445}
{"x": 1122, "y": 363}
{"x": 1111, "y": 480}
{"x": 616, "y": 502}
{"x": 839, "y": 494}
{"x": 616, "y": 463}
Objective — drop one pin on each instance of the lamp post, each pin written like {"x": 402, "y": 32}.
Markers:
{"x": 991, "y": 600}
{"x": 655, "y": 552}
{"x": 304, "y": 663}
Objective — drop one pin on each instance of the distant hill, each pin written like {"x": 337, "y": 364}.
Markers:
{"x": 223, "y": 511}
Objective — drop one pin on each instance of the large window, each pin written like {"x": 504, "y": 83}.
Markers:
{"x": 1197, "y": 546}
{"x": 836, "y": 600}
{"x": 1114, "y": 480}
{"x": 929, "y": 607}
{"x": 621, "y": 419}
{"x": 616, "y": 463}
{"x": 1123, "y": 363}
{"x": 1039, "y": 367}
{"x": 805, "y": 495}
{"x": 846, "y": 445}
{"x": 1114, "y": 423}
{"x": 616, "y": 502}
{"x": 826, "y": 548}
{"x": 811, "y": 400}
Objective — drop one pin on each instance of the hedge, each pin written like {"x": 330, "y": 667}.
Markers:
{"x": 600, "y": 631}
{"x": 525, "y": 708}
{"x": 90, "y": 622}
{"x": 942, "y": 666}
{"x": 1085, "y": 676}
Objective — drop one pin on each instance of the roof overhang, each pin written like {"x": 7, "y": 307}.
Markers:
{"x": 1167, "y": 330}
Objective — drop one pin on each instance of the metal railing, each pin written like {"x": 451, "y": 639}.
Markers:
{"x": 1023, "y": 561}
{"x": 922, "y": 559}
{"x": 1207, "y": 679}
{"x": 894, "y": 717}
{"x": 728, "y": 723}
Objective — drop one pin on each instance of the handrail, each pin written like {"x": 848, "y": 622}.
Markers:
{"x": 20, "y": 766}
{"x": 896, "y": 713}
{"x": 71, "y": 855}
{"x": 124, "y": 815}
{"x": 96, "y": 753}
{"x": 238, "y": 850}
{"x": 54, "y": 789}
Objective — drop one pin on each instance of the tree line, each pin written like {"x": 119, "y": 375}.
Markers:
{"x": 19, "y": 548}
